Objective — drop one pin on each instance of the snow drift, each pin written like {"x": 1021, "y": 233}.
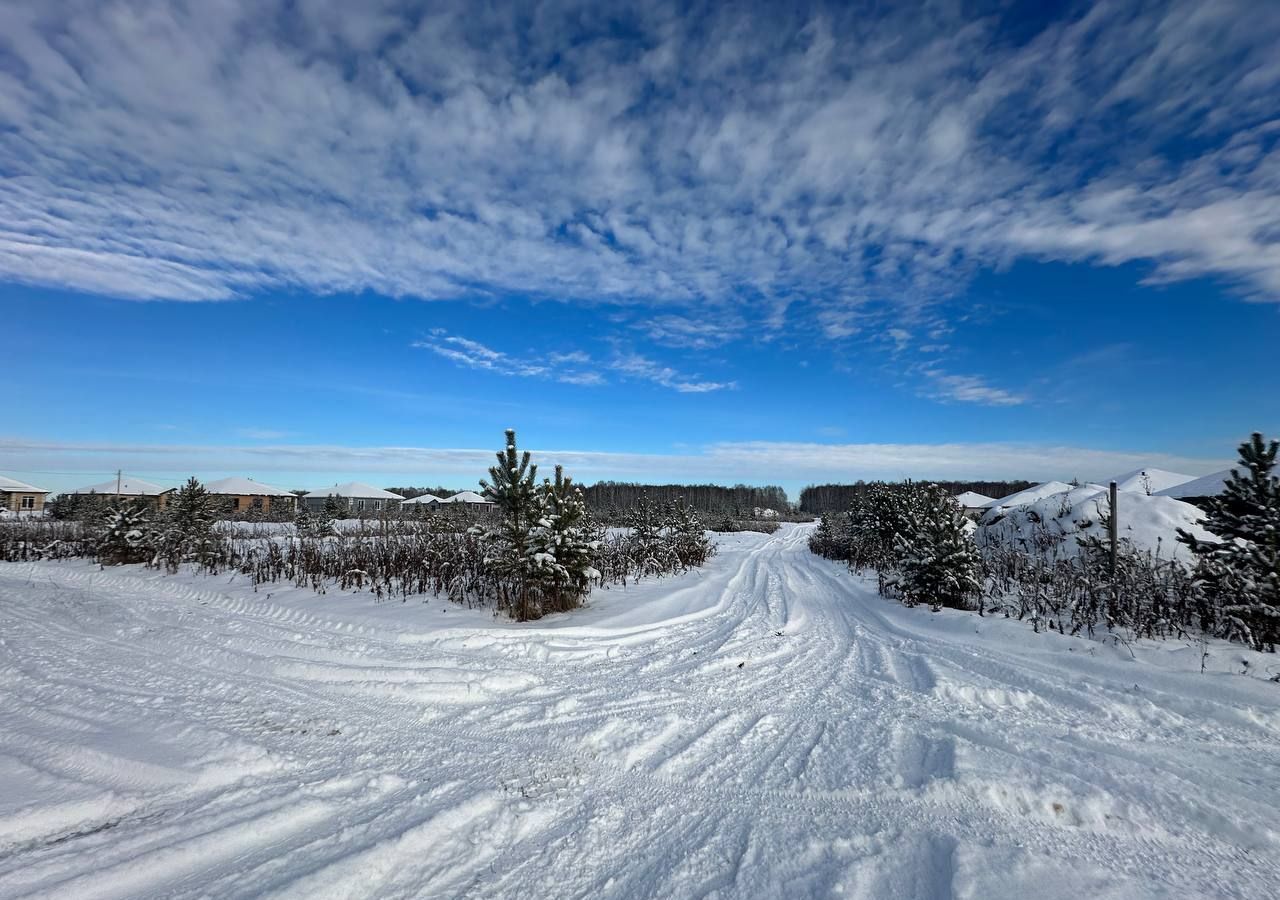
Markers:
{"x": 1054, "y": 522}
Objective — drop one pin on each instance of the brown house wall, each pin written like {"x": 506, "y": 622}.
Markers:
{"x": 243, "y": 502}
{"x": 13, "y": 501}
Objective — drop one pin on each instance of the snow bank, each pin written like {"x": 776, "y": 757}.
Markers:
{"x": 1031, "y": 495}
{"x": 1052, "y": 523}
{"x": 1149, "y": 480}
{"x": 1206, "y": 486}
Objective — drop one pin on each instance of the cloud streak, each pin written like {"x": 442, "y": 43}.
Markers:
{"x": 576, "y": 367}
{"x": 754, "y": 461}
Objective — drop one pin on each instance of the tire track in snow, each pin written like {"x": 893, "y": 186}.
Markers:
{"x": 848, "y": 749}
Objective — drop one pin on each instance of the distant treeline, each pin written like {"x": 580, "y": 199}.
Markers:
{"x": 821, "y": 498}
{"x": 740, "y": 500}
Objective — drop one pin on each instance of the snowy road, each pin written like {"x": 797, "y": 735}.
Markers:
{"x": 767, "y": 727}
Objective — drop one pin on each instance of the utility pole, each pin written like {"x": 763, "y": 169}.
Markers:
{"x": 118, "y": 475}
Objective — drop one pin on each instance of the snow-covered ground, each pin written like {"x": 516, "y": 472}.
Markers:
{"x": 1148, "y": 523}
{"x": 765, "y": 727}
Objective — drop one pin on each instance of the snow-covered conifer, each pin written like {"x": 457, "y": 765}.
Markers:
{"x": 126, "y": 535}
{"x": 938, "y": 561}
{"x": 1241, "y": 570}
{"x": 186, "y": 527}
{"x": 689, "y": 534}
{"x": 508, "y": 543}
{"x": 563, "y": 545}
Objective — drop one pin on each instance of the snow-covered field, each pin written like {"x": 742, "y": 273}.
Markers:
{"x": 764, "y": 727}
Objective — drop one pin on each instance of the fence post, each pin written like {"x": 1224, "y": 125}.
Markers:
{"x": 1113, "y": 530}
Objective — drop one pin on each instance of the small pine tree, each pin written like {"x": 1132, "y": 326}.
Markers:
{"x": 186, "y": 528}
{"x": 939, "y": 563}
{"x": 689, "y": 535}
{"x": 563, "y": 545}
{"x": 336, "y": 507}
{"x": 1241, "y": 570}
{"x": 126, "y": 535}
{"x": 313, "y": 524}
{"x": 508, "y": 542}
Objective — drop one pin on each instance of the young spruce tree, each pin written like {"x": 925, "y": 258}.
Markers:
{"x": 563, "y": 545}
{"x": 1241, "y": 570}
{"x": 188, "y": 527}
{"x": 508, "y": 544}
{"x": 938, "y": 560}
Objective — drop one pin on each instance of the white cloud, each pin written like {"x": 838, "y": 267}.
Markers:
{"x": 475, "y": 355}
{"x": 641, "y": 367}
{"x": 780, "y": 167}
{"x": 574, "y": 367}
{"x": 262, "y": 434}
{"x": 969, "y": 389}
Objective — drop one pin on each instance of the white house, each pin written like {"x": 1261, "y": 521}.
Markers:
{"x": 468, "y": 497}
{"x": 126, "y": 487}
{"x": 973, "y": 503}
{"x": 20, "y": 497}
{"x": 424, "y": 500}
{"x": 360, "y": 497}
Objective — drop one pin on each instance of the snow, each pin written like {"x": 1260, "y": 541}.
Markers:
{"x": 1206, "y": 486}
{"x": 973, "y": 500}
{"x": 356, "y": 490}
{"x": 245, "y": 487}
{"x": 1149, "y": 523}
{"x": 13, "y": 486}
{"x": 763, "y": 727}
{"x": 1149, "y": 480}
{"x": 1031, "y": 495}
{"x": 127, "y": 485}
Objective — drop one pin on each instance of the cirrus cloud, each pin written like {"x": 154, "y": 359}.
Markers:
{"x": 742, "y": 165}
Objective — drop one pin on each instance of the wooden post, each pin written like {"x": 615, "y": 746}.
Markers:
{"x": 118, "y": 475}
{"x": 1113, "y": 530}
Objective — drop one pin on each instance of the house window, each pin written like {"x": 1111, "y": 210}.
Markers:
{"x": 235, "y": 502}
{"x": 28, "y": 502}
{"x": 257, "y": 503}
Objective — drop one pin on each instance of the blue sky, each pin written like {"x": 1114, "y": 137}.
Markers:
{"x": 310, "y": 243}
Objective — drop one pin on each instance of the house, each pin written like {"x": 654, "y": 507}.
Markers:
{"x": 423, "y": 500}
{"x": 359, "y": 497}
{"x": 468, "y": 497}
{"x": 243, "y": 494}
{"x": 126, "y": 487}
{"x": 973, "y": 503}
{"x": 20, "y": 497}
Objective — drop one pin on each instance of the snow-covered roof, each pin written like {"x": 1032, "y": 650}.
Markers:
{"x": 128, "y": 486}
{"x": 467, "y": 497}
{"x": 245, "y": 487}
{"x": 13, "y": 486}
{"x": 357, "y": 490}
{"x": 974, "y": 500}
{"x": 1205, "y": 486}
{"x": 1149, "y": 480}
{"x": 423, "y": 500}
